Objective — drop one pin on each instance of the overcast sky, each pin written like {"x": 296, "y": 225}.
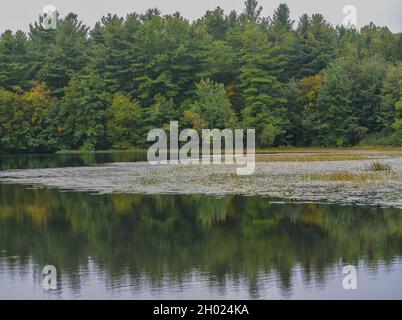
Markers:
{"x": 17, "y": 14}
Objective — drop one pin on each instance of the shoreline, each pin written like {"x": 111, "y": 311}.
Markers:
{"x": 331, "y": 181}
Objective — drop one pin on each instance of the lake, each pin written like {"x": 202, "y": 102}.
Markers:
{"x": 138, "y": 246}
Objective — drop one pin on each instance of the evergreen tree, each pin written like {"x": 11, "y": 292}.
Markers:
{"x": 315, "y": 47}
{"x": 367, "y": 78}
{"x": 293, "y": 127}
{"x": 83, "y": 112}
{"x": 259, "y": 85}
{"x": 281, "y": 20}
{"x": 14, "y": 61}
{"x": 221, "y": 63}
{"x": 335, "y": 109}
{"x": 215, "y": 23}
{"x": 112, "y": 55}
{"x": 169, "y": 58}
{"x": 252, "y": 11}
{"x": 66, "y": 54}
{"x": 313, "y": 85}
{"x": 398, "y": 111}
{"x": 281, "y": 33}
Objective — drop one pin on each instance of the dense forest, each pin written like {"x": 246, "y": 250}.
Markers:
{"x": 299, "y": 83}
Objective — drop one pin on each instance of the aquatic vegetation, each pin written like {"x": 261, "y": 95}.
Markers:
{"x": 379, "y": 166}
{"x": 329, "y": 181}
{"x": 309, "y": 157}
{"x": 147, "y": 180}
{"x": 347, "y": 176}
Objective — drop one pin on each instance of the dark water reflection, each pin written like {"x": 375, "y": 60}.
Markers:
{"x": 35, "y": 161}
{"x": 137, "y": 246}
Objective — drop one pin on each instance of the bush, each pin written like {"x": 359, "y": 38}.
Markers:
{"x": 378, "y": 166}
{"x": 387, "y": 137}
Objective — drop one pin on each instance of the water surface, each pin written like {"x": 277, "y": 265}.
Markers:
{"x": 125, "y": 246}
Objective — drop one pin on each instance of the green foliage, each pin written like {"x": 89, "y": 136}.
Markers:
{"x": 387, "y": 137}
{"x": 398, "y": 109}
{"x": 252, "y": 10}
{"x": 334, "y": 103}
{"x": 124, "y": 123}
{"x": 14, "y": 60}
{"x": 259, "y": 85}
{"x": 308, "y": 113}
{"x": 379, "y": 166}
{"x": 281, "y": 20}
{"x": 26, "y": 120}
{"x": 161, "y": 113}
{"x": 351, "y": 91}
{"x": 221, "y": 63}
{"x": 390, "y": 95}
{"x": 168, "y": 58}
{"x": 65, "y": 56}
{"x": 213, "y": 106}
{"x": 310, "y": 84}
{"x": 111, "y": 51}
{"x": 215, "y": 23}
{"x": 83, "y": 113}
{"x": 294, "y": 113}
{"x": 315, "y": 46}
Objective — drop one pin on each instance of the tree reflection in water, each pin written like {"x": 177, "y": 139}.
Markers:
{"x": 167, "y": 238}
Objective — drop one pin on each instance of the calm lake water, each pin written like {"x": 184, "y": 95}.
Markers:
{"x": 189, "y": 247}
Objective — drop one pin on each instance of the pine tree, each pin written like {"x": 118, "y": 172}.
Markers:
{"x": 315, "y": 47}
{"x": 335, "y": 109}
{"x": 398, "y": 110}
{"x": 291, "y": 92}
{"x": 281, "y": 20}
{"x": 281, "y": 33}
{"x": 252, "y": 11}
{"x": 390, "y": 95}
{"x": 367, "y": 78}
{"x": 111, "y": 53}
{"x": 221, "y": 63}
{"x": 169, "y": 54}
{"x": 14, "y": 61}
{"x": 66, "y": 55}
{"x": 215, "y": 23}
{"x": 259, "y": 85}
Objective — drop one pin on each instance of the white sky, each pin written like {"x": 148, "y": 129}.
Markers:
{"x": 17, "y": 14}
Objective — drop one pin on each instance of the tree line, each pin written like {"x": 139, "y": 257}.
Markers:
{"x": 305, "y": 83}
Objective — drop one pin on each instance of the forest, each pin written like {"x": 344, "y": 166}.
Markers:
{"x": 297, "y": 83}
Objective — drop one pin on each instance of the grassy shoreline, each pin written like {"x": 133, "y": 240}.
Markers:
{"x": 273, "y": 150}
{"x": 258, "y": 150}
